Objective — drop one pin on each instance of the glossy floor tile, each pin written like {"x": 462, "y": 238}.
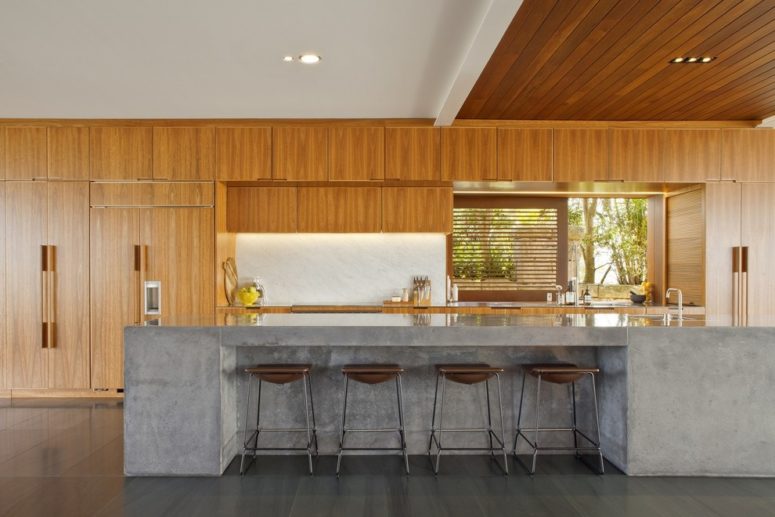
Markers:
{"x": 64, "y": 457}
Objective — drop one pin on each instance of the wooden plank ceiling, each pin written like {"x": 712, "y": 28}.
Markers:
{"x": 609, "y": 60}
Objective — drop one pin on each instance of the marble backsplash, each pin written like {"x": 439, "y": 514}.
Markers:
{"x": 329, "y": 268}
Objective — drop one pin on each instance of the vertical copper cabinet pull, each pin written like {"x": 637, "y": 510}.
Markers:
{"x": 744, "y": 285}
{"x": 137, "y": 257}
{"x": 52, "y": 296}
{"x": 43, "y": 294}
{"x": 735, "y": 285}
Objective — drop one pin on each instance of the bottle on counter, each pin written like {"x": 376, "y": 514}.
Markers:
{"x": 570, "y": 293}
{"x": 587, "y": 296}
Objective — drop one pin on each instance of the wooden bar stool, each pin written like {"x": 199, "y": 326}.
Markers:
{"x": 558, "y": 373}
{"x": 280, "y": 374}
{"x": 373, "y": 374}
{"x": 466, "y": 374}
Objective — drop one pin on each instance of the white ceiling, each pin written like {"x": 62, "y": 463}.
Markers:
{"x": 211, "y": 58}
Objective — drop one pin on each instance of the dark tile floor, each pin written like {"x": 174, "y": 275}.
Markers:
{"x": 65, "y": 458}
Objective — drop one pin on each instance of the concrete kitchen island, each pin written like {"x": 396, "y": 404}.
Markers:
{"x": 678, "y": 398}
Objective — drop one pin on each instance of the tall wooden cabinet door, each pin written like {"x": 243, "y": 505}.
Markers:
{"x": 758, "y": 227}
{"x": 413, "y": 153}
{"x": 183, "y": 153}
{"x": 722, "y": 234}
{"x": 114, "y": 290}
{"x": 417, "y": 209}
{"x": 748, "y": 154}
{"x": 580, "y": 155}
{"x": 300, "y": 153}
{"x": 121, "y": 153}
{"x": 356, "y": 153}
{"x": 68, "y": 234}
{"x": 25, "y": 153}
{"x": 4, "y": 363}
{"x": 692, "y": 155}
{"x": 179, "y": 253}
{"x": 25, "y": 298}
{"x": 469, "y": 154}
{"x": 636, "y": 155}
{"x": 243, "y": 153}
{"x": 68, "y": 153}
{"x": 524, "y": 154}
{"x": 340, "y": 209}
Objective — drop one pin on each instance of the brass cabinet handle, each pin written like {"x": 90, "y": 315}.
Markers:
{"x": 44, "y": 294}
{"x": 52, "y": 296}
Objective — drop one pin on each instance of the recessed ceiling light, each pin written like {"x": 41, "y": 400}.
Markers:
{"x": 677, "y": 60}
{"x": 706, "y": 59}
{"x": 288, "y": 59}
{"x": 309, "y": 59}
{"x": 691, "y": 59}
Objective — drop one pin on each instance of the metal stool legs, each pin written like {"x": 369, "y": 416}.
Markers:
{"x": 594, "y": 444}
{"x": 437, "y": 432}
{"x": 250, "y": 445}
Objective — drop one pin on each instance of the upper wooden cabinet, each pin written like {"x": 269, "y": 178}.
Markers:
{"x": 24, "y": 150}
{"x": 417, "y": 209}
{"x": 524, "y": 154}
{"x": 244, "y": 153}
{"x": 691, "y": 155}
{"x": 261, "y": 209}
{"x": 340, "y": 209}
{"x": 156, "y": 193}
{"x": 183, "y": 153}
{"x": 68, "y": 153}
{"x": 121, "y": 153}
{"x": 580, "y": 155}
{"x": 300, "y": 153}
{"x": 412, "y": 153}
{"x": 636, "y": 155}
{"x": 748, "y": 154}
{"x": 356, "y": 153}
{"x": 469, "y": 154}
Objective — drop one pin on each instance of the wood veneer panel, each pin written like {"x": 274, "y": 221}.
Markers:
{"x": 417, "y": 209}
{"x": 685, "y": 238}
{"x": 261, "y": 209}
{"x": 25, "y": 153}
{"x": 580, "y": 155}
{"x": 525, "y": 154}
{"x": 68, "y": 153}
{"x": 636, "y": 155}
{"x": 748, "y": 154}
{"x": 300, "y": 153}
{"x": 413, "y": 153}
{"x": 469, "y": 154}
{"x": 722, "y": 233}
{"x": 121, "y": 153}
{"x": 692, "y": 155}
{"x": 757, "y": 229}
{"x": 4, "y": 348}
{"x": 183, "y": 153}
{"x": 244, "y": 153}
{"x": 152, "y": 194}
{"x": 340, "y": 209}
{"x": 356, "y": 153}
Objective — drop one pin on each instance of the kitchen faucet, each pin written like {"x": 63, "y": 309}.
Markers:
{"x": 680, "y": 301}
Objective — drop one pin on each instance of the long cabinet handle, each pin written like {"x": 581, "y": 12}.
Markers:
{"x": 744, "y": 285}
{"x": 52, "y": 296}
{"x": 735, "y": 285}
{"x": 44, "y": 308}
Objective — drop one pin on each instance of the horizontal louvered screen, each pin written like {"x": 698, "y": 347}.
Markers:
{"x": 505, "y": 249}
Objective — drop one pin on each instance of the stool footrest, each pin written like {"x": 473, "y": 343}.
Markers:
{"x": 386, "y": 430}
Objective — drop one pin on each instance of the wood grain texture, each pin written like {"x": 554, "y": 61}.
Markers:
{"x": 417, "y": 209}
{"x": 748, "y": 154}
{"x": 655, "y": 246}
{"x": 180, "y": 250}
{"x": 68, "y": 153}
{"x": 413, "y": 154}
{"x": 25, "y": 153}
{"x": 609, "y": 60}
{"x": 580, "y": 155}
{"x": 340, "y": 209}
{"x": 758, "y": 227}
{"x": 183, "y": 153}
{"x": 68, "y": 233}
{"x": 261, "y": 209}
{"x": 692, "y": 155}
{"x": 525, "y": 154}
{"x": 2, "y": 153}
{"x": 243, "y": 154}
{"x": 636, "y": 155}
{"x": 356, "y": 153}
{"x": 469, "y": 154}
{"x": 114, "y": 290}
{"x": 26, "y": 229}
{"x": 723, "y": 232}
{"x": 152, "y": 194}
{"x": 300, "y": 153}
{"x": 225, "y": 242}
{"x": 121, "y": 153}
{"x": 4, "y": 347}
{"x": 685, "y": 253}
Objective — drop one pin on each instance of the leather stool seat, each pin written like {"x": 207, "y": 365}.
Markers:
{"x": 470, "y": 373}
{"x": 372, "y": 373}
{"x": 558, "y": 373}
{"x": 279, "y": 373}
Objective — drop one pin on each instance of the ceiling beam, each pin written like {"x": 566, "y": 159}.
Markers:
{"x": 496, "y": 20}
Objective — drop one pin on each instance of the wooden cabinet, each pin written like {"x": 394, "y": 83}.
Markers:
{"x": 524, "y": 154}
{"x": 685, "y": 245}
{"x": 412, "y": 153}
{"x": 748, "y": 154}
{"x": 580, "y": 155}
{"x": 47, "y": 270}
{"x": 68, "y": 153}
{"x": 261, "y": 209}
{"x": 417, "y": 209}
{"x": 300, "y": 153}
{"x": 121, "y": 153}
{"x": 2, "y": 153}
{"x": 183, "y": 153}
{"x": 757, "y": 228}
{"x": 636, "y": 155}
{"x": 4, "y": 362}
{"x": 722, "y": 234}
{"x": 25, "y": 153}
{"x": 340, "y": 209}
{"x": 244, "y": 153}
{"x": 691, "y": 155}
{"x": 469, "y": 154}
{"x": 356, "y": 153}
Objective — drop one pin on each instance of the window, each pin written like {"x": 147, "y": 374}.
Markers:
{"x": 508, "y": 247}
